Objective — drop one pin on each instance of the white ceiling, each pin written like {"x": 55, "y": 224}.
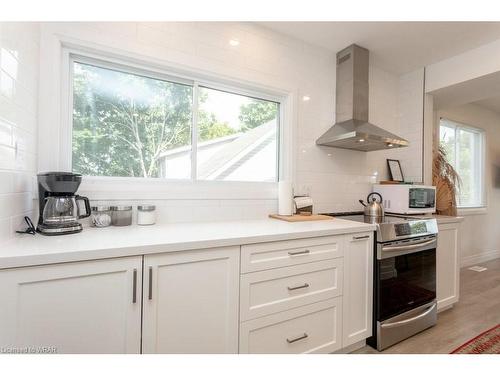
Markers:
{"x": 493, "y": 104}
{"x": 398, "y": 47}
{"x": 473, "y": 90}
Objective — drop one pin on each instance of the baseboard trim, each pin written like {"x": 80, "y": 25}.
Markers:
{"x": 351, "y": 348}
{"x": 444, "y": 308}
{"x": 479, "y": 258}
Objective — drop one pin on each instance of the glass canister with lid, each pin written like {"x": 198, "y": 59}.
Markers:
{"x": 100, "y": 216}
{"x": 146, "y": 215}
{"x": 121, "y": 215}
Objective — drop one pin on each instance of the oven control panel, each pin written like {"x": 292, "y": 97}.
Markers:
{"x": 407, "y": 229}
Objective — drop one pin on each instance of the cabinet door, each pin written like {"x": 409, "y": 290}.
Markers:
{"x": 358, "y": 288}
{"x": 191, "y": 302}
{"x": 80, "y": 307}
{"x": 447, "y": 265}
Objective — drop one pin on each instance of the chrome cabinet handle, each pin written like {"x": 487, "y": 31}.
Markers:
{"x": 361, "y": 237}
{"x": 304, "y": 336}
{"x": 150, "y": 291}
{"x": 306, "y": 285}
{"x": 134, "y": 287}
{"x": 301, "y": 252}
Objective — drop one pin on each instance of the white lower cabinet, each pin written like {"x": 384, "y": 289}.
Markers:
{"x": 81, "y": 307}
{"x": 292, "y": 302}
{"x": 358, "y": 288}
{"x": 447, "y": 265}
{"x": 309, "y": 295}
{"x": 314, "y": 328}
{"x": 190, "y": 302}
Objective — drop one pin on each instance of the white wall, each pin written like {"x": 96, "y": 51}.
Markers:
{"x": 335, "y": 178}
{"x": 466, "y": 66}
{"x": 480, "y": 232}
{"x": 19, "y": 56}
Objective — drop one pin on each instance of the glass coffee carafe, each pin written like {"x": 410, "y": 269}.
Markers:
{"x": 63, "y": 210}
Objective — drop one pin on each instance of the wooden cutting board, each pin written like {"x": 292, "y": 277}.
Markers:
{"x": 295, "y": 218}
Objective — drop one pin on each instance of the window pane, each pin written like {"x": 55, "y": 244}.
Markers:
{"x": 464, "y": 150}
{"x": 468, "y": 168}
{"x": 125, "y": 124}
{"x": 447, "y": 136}
{"x": 237, "y": 137}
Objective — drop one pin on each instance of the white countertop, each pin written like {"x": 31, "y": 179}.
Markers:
{"x": 99, "y": 243}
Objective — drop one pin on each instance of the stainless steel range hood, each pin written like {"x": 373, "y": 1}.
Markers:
{"x": 352, "y": 129}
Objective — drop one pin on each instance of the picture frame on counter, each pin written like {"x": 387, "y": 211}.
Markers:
{"x": 395, "y": 171}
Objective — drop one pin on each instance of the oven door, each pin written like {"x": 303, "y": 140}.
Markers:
{"x": 405, "y": 277}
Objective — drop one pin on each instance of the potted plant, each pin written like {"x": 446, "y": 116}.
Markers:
{"x": 447, "y": 182}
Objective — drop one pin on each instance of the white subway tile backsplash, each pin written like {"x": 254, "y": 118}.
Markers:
{"x": 9, "y": 63}
{"x": 184, "y": 210}
{"x": 6, "y": 182}
{"x": 335, "y": 178}
{"x": 5, "y": 133}
{"x": 7, "y": 158}
{"x": 19, "y": 56}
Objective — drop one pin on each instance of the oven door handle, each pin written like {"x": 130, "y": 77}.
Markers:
{"x": 409, "y": 320}
{"x": 409, "y": 247}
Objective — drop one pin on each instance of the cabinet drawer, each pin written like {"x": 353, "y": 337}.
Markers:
{"x": 271, "y": 291}
{"x": 314, "y": 328}
{"x": 264, "y": 256}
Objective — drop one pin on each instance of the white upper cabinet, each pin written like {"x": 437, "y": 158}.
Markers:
{"x": 81, "y": 307}
{"x": 358, "y": 288}
{"x": 191, "y": 301}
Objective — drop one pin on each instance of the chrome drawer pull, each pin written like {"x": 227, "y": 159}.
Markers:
{"x": 301, "y": 252}
{"x": 304, "y": 336}
{"x": 150, "y": 292}
{"x": 361, "y": 237}
{"x": 134, "y": 286}
{"x": 306, "y": 285}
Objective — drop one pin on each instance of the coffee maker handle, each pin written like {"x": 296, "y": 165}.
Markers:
{"x": 87, "y": 206}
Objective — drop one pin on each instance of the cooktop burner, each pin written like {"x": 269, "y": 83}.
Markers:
{"x": 360, "y": 217}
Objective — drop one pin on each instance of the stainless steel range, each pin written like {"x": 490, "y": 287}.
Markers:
{"x": 404, "y": 276}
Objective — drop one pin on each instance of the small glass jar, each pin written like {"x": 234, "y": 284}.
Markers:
{"x": 146, "y": 215}
{"x": 122, "y": 215}
{"x": 100, "y": 216}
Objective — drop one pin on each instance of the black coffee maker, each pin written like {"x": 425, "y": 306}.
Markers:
{"x": 58, "y": 204}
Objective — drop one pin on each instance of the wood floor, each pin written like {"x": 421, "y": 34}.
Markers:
{"x": 477, "y": 311}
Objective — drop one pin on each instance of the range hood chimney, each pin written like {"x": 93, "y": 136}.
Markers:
{"x": 352, "y": 129}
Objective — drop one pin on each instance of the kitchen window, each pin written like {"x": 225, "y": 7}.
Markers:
{"x": 129, "y": 122}
{"x": 464, "y": 146}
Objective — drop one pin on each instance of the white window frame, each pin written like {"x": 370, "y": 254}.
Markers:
{"x": 101, "y": 187}
{"x": 457, "y": 125}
